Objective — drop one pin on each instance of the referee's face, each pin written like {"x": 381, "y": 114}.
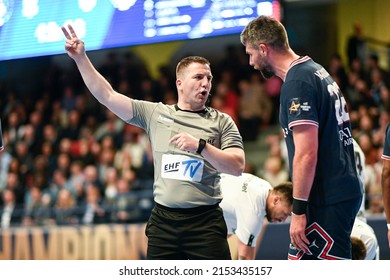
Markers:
{"x": 194, "y": 85}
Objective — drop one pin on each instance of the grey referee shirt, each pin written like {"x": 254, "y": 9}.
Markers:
{"x": 183, "y": 179}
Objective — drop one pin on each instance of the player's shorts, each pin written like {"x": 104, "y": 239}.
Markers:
{"x": 179, "y": 234}
{"x": 328, "y": 230}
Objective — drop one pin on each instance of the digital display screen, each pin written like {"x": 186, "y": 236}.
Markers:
{"x": 30, "y": 28}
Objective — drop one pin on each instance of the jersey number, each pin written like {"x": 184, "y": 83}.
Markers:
{"x": 340, "y": 105}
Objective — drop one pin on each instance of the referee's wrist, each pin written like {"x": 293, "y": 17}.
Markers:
{"x": 201, "y": 146}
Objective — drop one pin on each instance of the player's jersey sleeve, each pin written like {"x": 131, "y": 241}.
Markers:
{"x": 142, "y": 113}
{"x": 300, "y": 106}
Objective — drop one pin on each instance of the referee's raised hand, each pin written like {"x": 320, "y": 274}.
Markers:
{"x": 73, "y": 45}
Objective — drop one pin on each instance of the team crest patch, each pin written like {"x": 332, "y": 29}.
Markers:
{"x": 295, "y": 106}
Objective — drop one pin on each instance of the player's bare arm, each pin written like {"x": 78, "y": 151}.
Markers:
{"x": 118, "y": 103}
{"x": 304, "y": 166}
{"x": 245, "y": 252}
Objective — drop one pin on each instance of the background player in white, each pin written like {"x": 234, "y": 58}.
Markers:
{"x": 247, "y": 201}
{"x": 361, "y": 229}
{"x": 360, "y": 160}
{"x": 366, "y": 233}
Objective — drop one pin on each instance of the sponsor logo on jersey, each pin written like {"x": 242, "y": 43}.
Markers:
{"x": 165, "y": 119}
{"x": 181, "y": 167}
{"x": 305, "y": 107}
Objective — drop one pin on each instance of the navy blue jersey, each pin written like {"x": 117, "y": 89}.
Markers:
{"x": 309, "y": 95}
{"x": 386, "y": 144}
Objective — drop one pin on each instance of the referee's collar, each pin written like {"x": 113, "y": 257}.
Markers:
{"x": 203, "y": 111}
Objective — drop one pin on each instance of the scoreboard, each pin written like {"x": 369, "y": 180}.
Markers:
{"x": 30, "y": 28}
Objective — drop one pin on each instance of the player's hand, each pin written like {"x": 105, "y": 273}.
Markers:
{"x": 185, "y": 142}
{"x": 297, "y": 232}
{"x": 73, "y": 45}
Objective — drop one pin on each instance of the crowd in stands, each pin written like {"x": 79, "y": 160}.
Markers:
{"x": 69, "y": 160}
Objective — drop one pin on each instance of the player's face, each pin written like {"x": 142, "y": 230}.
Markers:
{"x": 278, "y": 211}
{"x": 259, "y": 61}
{"x": 194, "y": 85}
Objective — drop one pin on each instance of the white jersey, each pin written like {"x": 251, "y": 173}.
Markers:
{"x": 244, "y": 205}
{"x": 360, "y": 160}
{"x": 366, "y": 233}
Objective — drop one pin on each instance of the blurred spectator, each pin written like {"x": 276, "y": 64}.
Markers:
{"x": 354, "y": 92}
{"x": 134, "y": 160}
{"x": 373, "y": 65}
{"x": 105, "y": 161}
{"x": 377, "y": 82}
{"x": 337, "y": 71}
{"x": 272, "y": 88}
{"x": 255, "y": 108}
{"x": 46, "y": 152}
{"x": 91, "y": 177}
{"x": 63, "y": 162}
{"x": 273, "y": 171}
{"x": 110, "y": 186}
{"x": 356, "y": 44}
{"x": 14, "y": 128}
{"x": 75, "y": 181}
{"x": 83, "y": 151}
{"x": 125, "y": 208}
{"x": 111, "y": 126}
{"x": 376, "y": 205}
{"x": 10, "y": 213}
{"x": 65, "y": 210}
{"x": 68, "y": 101}
{"x": 37, "y": 208}
{"x": 25, "y": 159}
{"x": 5, "y": 160}
{"x": 73, "y": 128}
{"x": 58, "y": 182}
{"x": 226, "y": 100}
{"x": 92, "y": 211}
{"x": 13, "y": 183}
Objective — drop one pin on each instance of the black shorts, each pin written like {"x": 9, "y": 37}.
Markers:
{"x": 180, "y": 234}
{"x": 328, "y": 230}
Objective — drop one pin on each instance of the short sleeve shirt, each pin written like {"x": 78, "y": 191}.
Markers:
{"x": 184, "y": 179}
{"x": 244, "y": 205}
